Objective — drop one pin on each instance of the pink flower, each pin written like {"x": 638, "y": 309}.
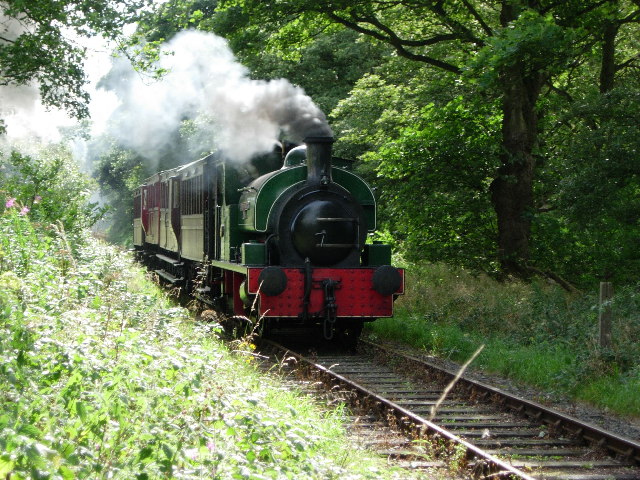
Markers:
{"x": 191, "y": 453}
{"x": 10, "y": 203}
{"x": 37, "y": 199}
{"x": 24, "y": 211}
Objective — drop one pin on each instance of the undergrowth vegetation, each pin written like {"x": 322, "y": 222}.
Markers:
{"x": 101, "y": 376}
{"x": 533, "y": 332}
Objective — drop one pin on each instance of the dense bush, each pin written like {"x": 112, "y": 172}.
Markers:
{"x": 50, "y": 187}
{"x": 101, "y": 376}
{"x": 534, "y": 332}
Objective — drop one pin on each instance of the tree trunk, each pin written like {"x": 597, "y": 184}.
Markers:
{"x": 512, "y": 190}
{"x": 608, "y": 64}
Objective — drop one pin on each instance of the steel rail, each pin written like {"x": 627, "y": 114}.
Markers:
{"x": 592, "y": 434}
{"x": 486, "y": 464}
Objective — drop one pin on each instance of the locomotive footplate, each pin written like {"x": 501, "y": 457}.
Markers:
{"x": 328, "y": 293}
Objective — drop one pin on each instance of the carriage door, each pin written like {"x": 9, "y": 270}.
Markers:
{"x": 210, "y": 190}
{"x": 175, "y": 207}
{"x": 145, "y": 209}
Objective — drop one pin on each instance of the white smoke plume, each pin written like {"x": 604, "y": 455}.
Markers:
{"x": 20, "y": 106}
{"x": 239, "y": 115}
{"x": 27, "y": 120}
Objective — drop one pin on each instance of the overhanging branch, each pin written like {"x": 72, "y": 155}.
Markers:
{"x": 632, "y": 17}
{"x": 628, "y": 63}
{"x": 398, "y": 43}
{"x": 487, "y": 29}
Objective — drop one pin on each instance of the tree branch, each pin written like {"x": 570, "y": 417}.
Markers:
{"x": 628, "y": 63}
{"x": 578, "y": 14}
{"x": 392, "y": 37}
{"x": 395, "y": 42}
{"x": 555, "y": 277}
{"x": 632, "y": 17}
{"x": 487, "y": 29}
{"x": 559, "y": 91}
{"x": 464, "y": 33}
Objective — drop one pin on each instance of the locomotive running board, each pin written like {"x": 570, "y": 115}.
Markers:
{"x": 168, "y": 277}
{"x": 169, "y": 260}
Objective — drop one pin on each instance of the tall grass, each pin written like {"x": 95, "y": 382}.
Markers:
{"x": 101, "y": 376}
{"x": 534, "y": 332}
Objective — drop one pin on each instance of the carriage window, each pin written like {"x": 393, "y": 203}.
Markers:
{"x": 183, "y": 197}
{"x": 191, "y": 196}
{"x": 164, "y": 192}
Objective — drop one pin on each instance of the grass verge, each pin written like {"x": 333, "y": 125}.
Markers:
{"x": 101, "y": 376}
{"x": 533, "y": 332}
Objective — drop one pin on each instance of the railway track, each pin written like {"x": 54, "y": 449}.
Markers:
{"x": 402, "y": 414}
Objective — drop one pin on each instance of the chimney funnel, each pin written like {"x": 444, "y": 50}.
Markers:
{"x": 319, "y": 160}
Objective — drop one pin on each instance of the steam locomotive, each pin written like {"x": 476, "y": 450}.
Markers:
{"x": 283, "y": 241}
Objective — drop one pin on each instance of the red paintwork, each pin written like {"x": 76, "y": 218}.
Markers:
{"x": 146, "y": 202}
{"x": 157, "y": 190}
{"x": 355, "y": 296}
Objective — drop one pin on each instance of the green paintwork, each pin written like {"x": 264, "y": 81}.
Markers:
{"x": 259, "y": 197}
{"x": 231, "y": 238}
{"x": 376, "y": 255}
{"x": 361, "y": 192}
{"x": 234, "y": 267}
{"x": 254, "y": 254}
{"x": 261, "y": 194}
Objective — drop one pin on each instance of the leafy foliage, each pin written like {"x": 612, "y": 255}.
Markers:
{"x": 37, "y": 44}
{"x": 590, "y": 225}
{"x": 102, "y": 377}
{"x": 441, "y": 156}
{"x": 453, "y": 220}
{"x": 50, "y": 187}
{"x": 533, "y": 42}
{"x": 119, "y": 172}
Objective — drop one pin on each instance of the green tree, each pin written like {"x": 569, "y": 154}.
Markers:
{"x": 592, "y": 225}
{"x": 430, "y": 149}
{"x": 518, "y": 51}
{"x": 119, "y": 172}
{"x": 49, "y": 186}
{"x": 37, "y": 44}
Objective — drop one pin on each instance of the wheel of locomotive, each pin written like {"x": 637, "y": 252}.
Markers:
{"x": 348, "y": 333}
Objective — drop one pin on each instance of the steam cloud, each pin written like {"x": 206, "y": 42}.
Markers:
{"x": 235, "y": 113}
{"x": 28, "y": 121}
{"x": 20, "y": 106}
